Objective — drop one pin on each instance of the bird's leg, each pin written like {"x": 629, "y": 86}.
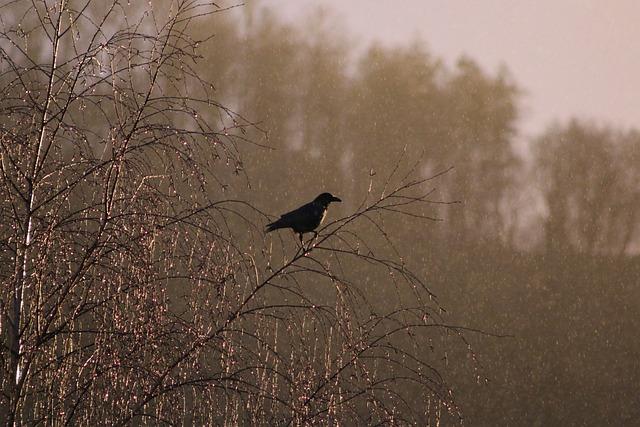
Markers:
{"x": 304, "y": 250}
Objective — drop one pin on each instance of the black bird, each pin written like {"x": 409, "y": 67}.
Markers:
{"x": 306, "y": 218}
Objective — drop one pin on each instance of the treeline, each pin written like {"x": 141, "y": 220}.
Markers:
{"x": 529, "y": 249}
{"x": 333, "y": 117}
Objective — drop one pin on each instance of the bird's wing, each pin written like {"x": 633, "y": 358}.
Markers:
{"x": 297, "y": 215}
{"x": 302, "y": 220}
{"x": 295, "y": 219}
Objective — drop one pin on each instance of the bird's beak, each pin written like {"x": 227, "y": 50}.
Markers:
{"x": 335, "y": 199}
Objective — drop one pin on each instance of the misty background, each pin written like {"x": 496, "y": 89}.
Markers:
{"x": 534, "y": 107}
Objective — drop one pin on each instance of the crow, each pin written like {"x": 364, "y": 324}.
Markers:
{"x": 306, "y": 218}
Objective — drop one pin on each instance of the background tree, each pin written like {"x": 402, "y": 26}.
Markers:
{"x": 588, "y": 187}
{"x": 481, "y": 117}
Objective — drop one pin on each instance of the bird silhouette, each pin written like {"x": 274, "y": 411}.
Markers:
{"x": 306, "y": 218}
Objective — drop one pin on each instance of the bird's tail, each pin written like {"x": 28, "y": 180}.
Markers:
{"x": 273, "y": 226}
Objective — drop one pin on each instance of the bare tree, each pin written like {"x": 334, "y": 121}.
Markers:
{"x": 135, "y": 289}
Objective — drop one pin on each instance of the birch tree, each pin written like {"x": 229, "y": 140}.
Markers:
{"x": 136, "y": 288}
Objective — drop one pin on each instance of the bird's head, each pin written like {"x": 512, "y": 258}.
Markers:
{"x": 325, "y": 198}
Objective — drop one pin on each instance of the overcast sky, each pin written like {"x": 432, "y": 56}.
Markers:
{"x": 572, "y": 57}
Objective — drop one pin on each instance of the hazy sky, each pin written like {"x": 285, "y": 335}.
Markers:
{"x": 572, "y": 57}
